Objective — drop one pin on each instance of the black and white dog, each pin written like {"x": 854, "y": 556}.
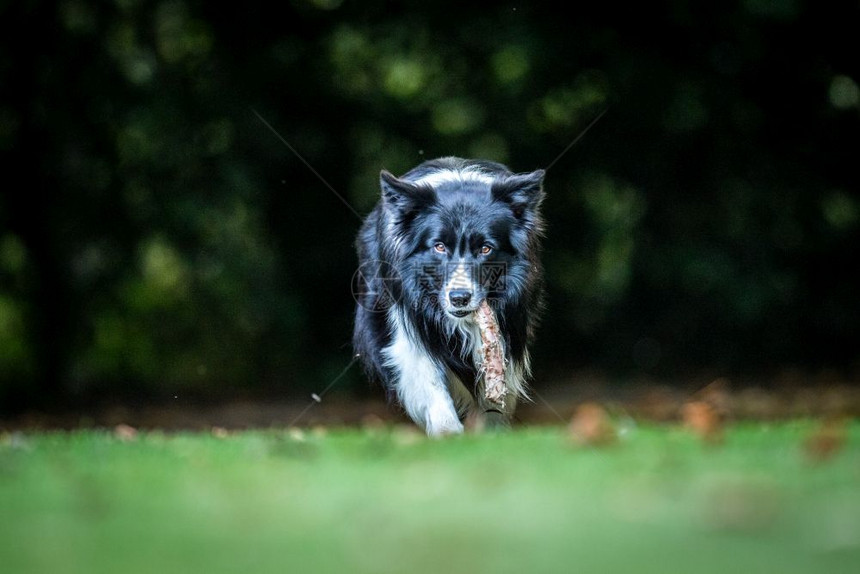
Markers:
{"x": 447, "y": 235}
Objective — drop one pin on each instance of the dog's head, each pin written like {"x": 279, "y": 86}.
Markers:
{"x": 461, "y": 233}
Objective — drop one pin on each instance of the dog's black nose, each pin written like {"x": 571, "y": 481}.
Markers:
{"x": 460, "y": 297}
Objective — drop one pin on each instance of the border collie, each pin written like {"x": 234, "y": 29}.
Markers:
{"x": 444, "y": 237}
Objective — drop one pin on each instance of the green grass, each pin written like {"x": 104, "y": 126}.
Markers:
{"x": 388, "y": 501}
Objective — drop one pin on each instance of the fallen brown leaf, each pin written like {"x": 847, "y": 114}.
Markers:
{"x": 717, "y": 395}
{"x": 372, "y": 421}
{"x": 125, "y": 432}
{"x": 591, "y": 425}
{"x": 703, "y": 420}
{"x": 826, "y": 441}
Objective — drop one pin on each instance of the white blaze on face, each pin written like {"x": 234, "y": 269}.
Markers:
{"x": 459, "y": 277}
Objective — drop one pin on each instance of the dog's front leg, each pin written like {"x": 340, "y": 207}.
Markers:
{"x": 428, "y": 403}
{"x": 420, "y": 385}
{"x": 495, "y": 415}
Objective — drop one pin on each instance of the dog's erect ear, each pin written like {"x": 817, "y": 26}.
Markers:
{"x": 522, "y": 191}
{"x": 403, "y": 196}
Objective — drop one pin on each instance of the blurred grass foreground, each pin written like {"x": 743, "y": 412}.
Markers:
{"x": 385, "y": 499}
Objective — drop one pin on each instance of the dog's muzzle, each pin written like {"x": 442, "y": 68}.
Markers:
{"x": 459, "y": 291}
{"x": 459, "y": 298}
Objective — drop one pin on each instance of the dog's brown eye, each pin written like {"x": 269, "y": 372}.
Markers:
{"x": 486, "y": 250}
{"x": 439, "y": 247}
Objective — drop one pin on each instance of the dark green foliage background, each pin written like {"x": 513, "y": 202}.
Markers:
{"x": 157, "y": 238}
